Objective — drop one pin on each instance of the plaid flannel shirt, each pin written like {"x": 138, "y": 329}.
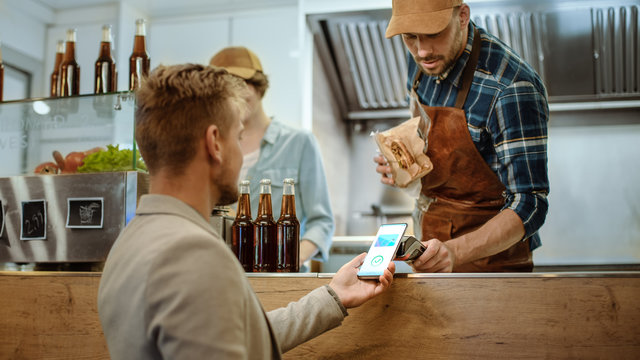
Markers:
{"x": 507, "y": 116}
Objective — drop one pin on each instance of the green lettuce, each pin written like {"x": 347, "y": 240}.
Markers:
{"x": 112, "y": 159}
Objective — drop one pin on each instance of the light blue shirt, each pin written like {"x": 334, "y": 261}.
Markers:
{"x": 289, "y": 153}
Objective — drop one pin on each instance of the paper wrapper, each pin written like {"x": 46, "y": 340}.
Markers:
{"x": 403, "y": 149}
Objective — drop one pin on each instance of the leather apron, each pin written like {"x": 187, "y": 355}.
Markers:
{"x": 462, "y": 193}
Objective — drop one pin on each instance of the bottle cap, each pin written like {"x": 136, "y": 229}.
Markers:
{"x": 289, "y": 181}
{"x": 140, "y": 28}
{"x": 245, "y": 183}
{"x": 106, "y": 33}
{"x": 71, "y": 35}
{"x": 265, "y": 182}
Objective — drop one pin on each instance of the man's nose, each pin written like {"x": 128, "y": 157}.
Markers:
{"x": 424, "y": 46}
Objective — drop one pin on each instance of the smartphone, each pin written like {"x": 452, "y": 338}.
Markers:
{"x": 382, "y": 250}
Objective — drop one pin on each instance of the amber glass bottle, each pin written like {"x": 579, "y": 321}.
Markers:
{"x": 54, "y": 89}
{"x": 288, "y": 230}
{"x": 69, "y": 69}
{"x": 264, "y": 232}
{"x": 139, "y": 62}
{"x": 105, "y": 75}
{"x": 242, "y": 229}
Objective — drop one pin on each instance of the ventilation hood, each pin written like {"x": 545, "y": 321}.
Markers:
{"x": 586, "y": 52}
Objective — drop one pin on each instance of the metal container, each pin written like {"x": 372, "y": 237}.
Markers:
{"x": 221, "y": 222}
{"x": 66, "y": 218}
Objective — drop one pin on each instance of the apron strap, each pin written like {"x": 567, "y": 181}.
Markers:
{"x": 469, "y": 70}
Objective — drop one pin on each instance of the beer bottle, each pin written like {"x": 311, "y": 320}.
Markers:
{"x": 55, "y": 75}
{"x": 105, "y": 74}
{"x": 69, "y": 69}
{"x": 288, "y": 229}
{"x": 139, "y": 61}
{"x": 242, "y": 229}
{"x": 1, "y": 73}
{"x": 264, "y": 232}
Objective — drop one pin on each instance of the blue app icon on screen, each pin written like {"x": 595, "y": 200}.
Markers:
{"x": 386, "y": 240}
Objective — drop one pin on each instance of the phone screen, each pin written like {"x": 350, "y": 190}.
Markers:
{"x": 382, "y": 250}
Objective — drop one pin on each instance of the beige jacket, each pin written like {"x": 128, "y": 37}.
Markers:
{"x": 172, "y": 289}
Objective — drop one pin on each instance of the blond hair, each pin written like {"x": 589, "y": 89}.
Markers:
{"x": 176, "y": 104}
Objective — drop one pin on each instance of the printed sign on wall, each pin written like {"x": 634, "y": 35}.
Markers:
{"x": 34, "y": 220}
{"x": 86, "y": 213}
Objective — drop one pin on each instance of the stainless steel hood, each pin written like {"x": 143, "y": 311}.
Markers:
{"x": 585, "y": 51}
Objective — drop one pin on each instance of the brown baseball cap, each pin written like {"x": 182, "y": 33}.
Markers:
{"x": 238, "y": 61}
{"x": 420, "y": 16}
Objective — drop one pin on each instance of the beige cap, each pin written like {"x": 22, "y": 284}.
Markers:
{"x": 238, "y": 61}
{"x": 420, "y": 16}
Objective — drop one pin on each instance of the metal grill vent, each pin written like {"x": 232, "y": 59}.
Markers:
{"x": 583, "y": 53}
{"x": 377, "y": 64}
{"x": 523, "y": 32}
{"x": 615, "y": 50}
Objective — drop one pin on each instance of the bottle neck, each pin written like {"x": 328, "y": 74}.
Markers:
{"x": 70, "y": 53}
{"x": 288, "y": 206}
{"x": 58, "y": 60}
{"x": 105, "y": 50}
{"x": 139, "y": 45}
{"x": 264, "y": 207}
{"x": 244, "y": 206}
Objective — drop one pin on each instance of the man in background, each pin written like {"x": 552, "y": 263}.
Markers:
{"x": 275, "y": 151}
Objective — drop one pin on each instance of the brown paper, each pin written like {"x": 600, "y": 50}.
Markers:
{"x": 403, "y": 149}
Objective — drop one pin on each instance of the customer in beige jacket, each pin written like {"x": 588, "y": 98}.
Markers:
{"x": 171, "y": 288}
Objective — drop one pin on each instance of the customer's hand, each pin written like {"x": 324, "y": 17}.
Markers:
{"x": 384, "y": 170}
{"x": 353, "y": 291}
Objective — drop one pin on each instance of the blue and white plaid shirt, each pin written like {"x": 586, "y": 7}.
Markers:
{"x": 507, "y": 115}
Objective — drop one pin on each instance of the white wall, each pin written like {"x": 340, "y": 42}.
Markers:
{"x": 594, "y": 203}
{"x": 23, "y": 26}
{"x": 271, "y": 33}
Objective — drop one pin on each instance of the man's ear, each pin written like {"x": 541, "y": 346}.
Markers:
{"x": 465, "y": 15}
{"x": 212, "y": 143}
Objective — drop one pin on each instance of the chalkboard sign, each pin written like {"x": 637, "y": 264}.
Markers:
{"x": 87, "y": 213}
{"x": 34, "y": 220}
{"x": 1, "y": 218}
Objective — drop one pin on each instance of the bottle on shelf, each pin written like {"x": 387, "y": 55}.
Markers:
{"x": 54, "y": 89}
{"x": 139, "y": 62}
{"x": 288, "y": 231}
{"x": 105, "y": 75}
{"x": 265, "y": 234}
{"x": 69, "y": 69}
{"x": 242, "y": 229}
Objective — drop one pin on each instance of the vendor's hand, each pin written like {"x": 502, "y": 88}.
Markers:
{"x": 353, "y": 291}
{"x": 438, "y": 257}
{"x": 384, "y": 170}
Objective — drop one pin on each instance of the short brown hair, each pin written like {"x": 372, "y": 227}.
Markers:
{"x": 176, "y": 104}
{"x": 260, "y": 82}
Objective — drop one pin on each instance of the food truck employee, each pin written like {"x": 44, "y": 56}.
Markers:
{"x": 481, "y": 206}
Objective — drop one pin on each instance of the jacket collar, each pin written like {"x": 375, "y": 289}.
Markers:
{"x": 155, "y": 204}
{"x": 272, "y": 133}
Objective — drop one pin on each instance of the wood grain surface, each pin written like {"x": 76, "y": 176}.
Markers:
{"x": 54, "y": 316}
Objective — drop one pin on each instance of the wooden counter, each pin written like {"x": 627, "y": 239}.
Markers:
{"x": 54, "y": 315}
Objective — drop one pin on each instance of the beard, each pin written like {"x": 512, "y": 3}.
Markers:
{"x": 228, "y": 194}
{"x": 448, "y": 60}
{"x": 227, "y": 185}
